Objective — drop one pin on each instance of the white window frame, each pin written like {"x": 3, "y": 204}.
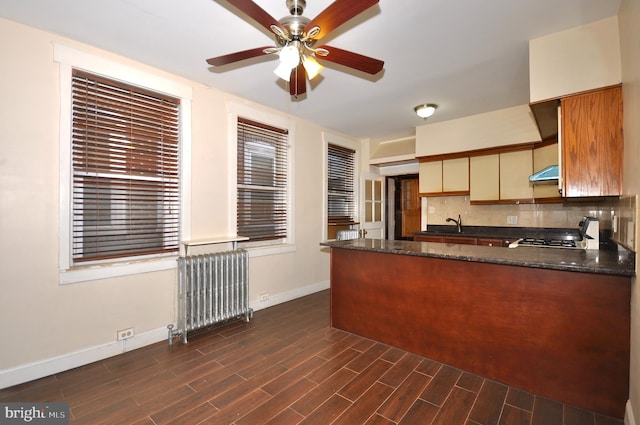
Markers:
{"x": 69, "y": 58}
{"x": 333, "y": 139}
{"x": 235, "y": 110}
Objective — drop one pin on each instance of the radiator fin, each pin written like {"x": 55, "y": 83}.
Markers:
{"x": 212, "y": 288}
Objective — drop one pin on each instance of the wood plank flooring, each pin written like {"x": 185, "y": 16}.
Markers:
{"x": 288, "y": 366}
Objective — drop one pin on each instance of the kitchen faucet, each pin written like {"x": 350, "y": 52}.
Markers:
{"x": 458, "y": 222}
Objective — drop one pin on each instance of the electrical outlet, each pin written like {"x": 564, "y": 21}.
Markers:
{"x": 512, "y": 219}
{"x": 125, "y": 334}
{"x": 264, "y": 297}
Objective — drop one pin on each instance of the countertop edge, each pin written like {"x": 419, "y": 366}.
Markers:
{"x": 563, "y": 261}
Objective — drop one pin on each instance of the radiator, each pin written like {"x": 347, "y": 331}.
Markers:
{"x": 342, "y": 235}
{"x": 212, "y": 288}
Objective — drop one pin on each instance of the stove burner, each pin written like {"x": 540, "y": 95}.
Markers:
{"x": 553, "y": 243}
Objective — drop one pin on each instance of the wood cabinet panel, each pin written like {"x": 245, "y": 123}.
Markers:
{"x": 484, "y": 178}
{"x": 562, "y": 335}
{"x": 592, "y": 143}
{"x": 460, "y": 240}
{"x": 410, "y": 207}
{"x": 425, "y": 238}
{"x": 491, "y": 242}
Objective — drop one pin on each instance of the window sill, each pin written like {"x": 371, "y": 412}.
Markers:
{"x": 106, "y": 271}
{"x": 261, "y": 251}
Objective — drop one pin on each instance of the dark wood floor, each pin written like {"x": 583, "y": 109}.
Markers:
{"x": 288, "y": 367}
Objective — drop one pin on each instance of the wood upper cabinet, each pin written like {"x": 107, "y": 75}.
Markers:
{"x": 515, "y": 169}
{"x": 484, "y": 177}
{"x": 444, "y": 177}
{"x": 592, "y": 143}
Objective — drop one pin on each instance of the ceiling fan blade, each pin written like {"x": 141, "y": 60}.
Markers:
{"x": 237, "y": 56}
{"x": 338, "y": 12}
{"x": 298, "y": 81}
{"x": 352, "y": 60}
{"x": 257, "y": 13}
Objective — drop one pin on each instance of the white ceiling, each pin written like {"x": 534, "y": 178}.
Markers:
{"x": 467, "y": 56}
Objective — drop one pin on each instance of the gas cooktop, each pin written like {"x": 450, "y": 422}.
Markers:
{"x": 547, "y": 243}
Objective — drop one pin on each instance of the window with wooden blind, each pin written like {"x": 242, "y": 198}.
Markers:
{"x": 125, "y": 170}
{"x": 262, "y": 206}
{"x": 341, "y": 202}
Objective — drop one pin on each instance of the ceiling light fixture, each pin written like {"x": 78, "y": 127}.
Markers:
{"x": 425, "y": 110}
{"x": 312, "y": 66}
{"x": 289, "y": 59}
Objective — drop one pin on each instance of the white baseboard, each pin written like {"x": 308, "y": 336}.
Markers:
{"x": 283, "y": 297}
{"x": 40, "y": 369}
{"x": 629, "y": 419}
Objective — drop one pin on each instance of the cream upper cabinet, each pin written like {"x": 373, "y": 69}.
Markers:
{"x": 515, "y": 169}
{"x": 445, "y": 177}
{"x": 484, "y": 178}
{"x": 430, "y": 174}
{"x": 544, "y": 157}
{"x": 455, "y": 175}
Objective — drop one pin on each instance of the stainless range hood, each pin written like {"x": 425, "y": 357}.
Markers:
{"x": 547, "y": 174}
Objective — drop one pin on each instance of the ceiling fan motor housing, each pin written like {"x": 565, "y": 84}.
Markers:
{"x": 296, "y": 7}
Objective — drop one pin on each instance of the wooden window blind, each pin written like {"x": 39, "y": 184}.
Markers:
{"x": 125, "y": 165}
{"x": 340, "y": 185}
{"x": 262, "y": 207}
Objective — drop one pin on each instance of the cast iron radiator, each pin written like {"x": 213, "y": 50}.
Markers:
{"x": 212, "y": 288}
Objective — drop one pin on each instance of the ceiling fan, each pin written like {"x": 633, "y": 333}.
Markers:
{"x": 296, "y": 37}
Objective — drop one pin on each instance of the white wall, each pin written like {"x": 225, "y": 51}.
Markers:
{"x": 628, "y": 19}
{"x": 575, "y": 60}
{"x": 46, "y": 327}
{"x": 507, "y": 126}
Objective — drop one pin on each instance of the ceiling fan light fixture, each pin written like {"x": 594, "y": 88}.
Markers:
{"x": 289, "y": 56}
{"x": 283, "y": 71}
{"x": 425, "y": 110}
{"x": 311, "y": 66}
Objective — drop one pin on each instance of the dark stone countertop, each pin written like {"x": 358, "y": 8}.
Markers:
{"x": 612, "y": 260}
{"x": 499, "y": 232}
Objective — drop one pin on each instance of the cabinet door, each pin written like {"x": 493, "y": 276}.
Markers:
{"x": 592, "y": 143}
{"x": 515, "y": 169}
{"x": 542, "y": 158}
{"x": 459, "y": 240}
{"x": 430, "y": 174}
{"x": 410, "y": 207}
{"x": 424, "y": 238}
{"x": 455, "y": 175}
{"x": 490, "y": 242}
{"x": 484, "y": 178}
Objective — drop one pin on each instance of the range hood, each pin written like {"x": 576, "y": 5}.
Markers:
{"x": 549, "y": 173}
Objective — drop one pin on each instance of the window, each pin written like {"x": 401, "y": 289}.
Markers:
{"x": 262, "y": 203}
{"x": 340, "y": 184}
{"x": 341, "y": 195}
{"x": 125, "y": 170}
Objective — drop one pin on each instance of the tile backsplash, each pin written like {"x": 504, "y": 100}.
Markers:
{"x": 618, "y": 215}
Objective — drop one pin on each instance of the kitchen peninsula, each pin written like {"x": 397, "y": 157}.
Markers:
{"x": 554, "y": 322}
